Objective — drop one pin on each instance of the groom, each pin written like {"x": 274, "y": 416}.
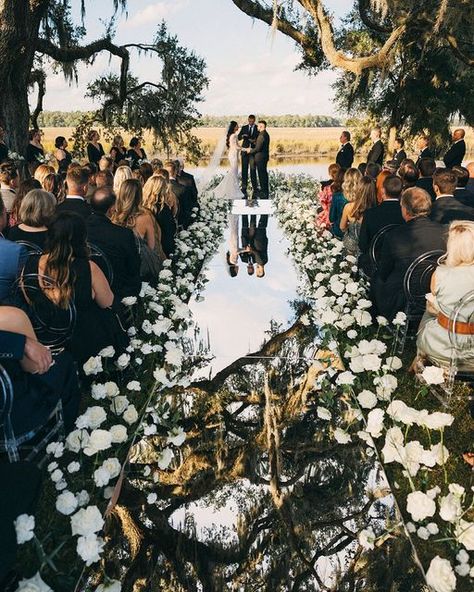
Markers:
{"x": 248, "y": 134}
{"x": 261, "y": 152}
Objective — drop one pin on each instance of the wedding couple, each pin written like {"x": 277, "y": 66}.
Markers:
{"x": 253, "y": 143}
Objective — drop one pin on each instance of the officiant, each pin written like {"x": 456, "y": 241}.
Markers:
{"x": 248, "y": 134}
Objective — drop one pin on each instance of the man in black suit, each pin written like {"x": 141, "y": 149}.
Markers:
{"x": 462, "y": 193}
{"x": 261, "y": 152}
{"x": 401, "y": 247}
{"x": 345, "y": 156}
{"x": 376, "y": 152}
{"x": 183, "y": 195}
{"x": 376, "y": 218}
{"x": 187, "y": 180}
{"x": 427, "y": 167}
{"x": 446, "y": 207}
{"x": 248, "y": 133}
{"x": 455, "y": 155}
{"x": 117, "y": 243}
{"x": 77, "y": 181}
{"x": 423, "y": 145}
{"x": 399, "y": 155}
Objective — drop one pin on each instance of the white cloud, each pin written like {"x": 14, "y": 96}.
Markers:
{"x": 152, "y": 13}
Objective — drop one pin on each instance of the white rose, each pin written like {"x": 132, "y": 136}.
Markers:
{"x": 371, "y": 362}
{"x": 34, "y": 584}
{"x": 345, "y": 378}
{"x": 450, "y": 508}
{"x": 165, "y": 458}
{"x": 464, "y": 534}
{"x": 176, "y": 437}
{"x": 433, "y": 375}
{"x": 66, "y": 503}
{"x": 129, "y": 300}
{"x": 375, "y": 422}
{"x": 118, "y": 434}
{"x": 367, "y": 538}
{"x": 87, "y": 521}
{"x": 440, "y": 575}
{"x": 341, "y": 436}
{"x": 123, "y": 361}
{"x": 357, "y": 364}
{"x": 93, "y": 418}
{"x": 73, "y": 467}
{"x": 385, "y": 384}
{"x": 56, "y": 476}
{"x": 134, "y": 385}
{"x": 323, "y": 413}
{"x": 89, "y": 548}
{"x": 119, "y": 404}
{"x": 352, "y": 334}
{"x": 107, "y": 352}
{"x": 367, "y": 399}
{"x": 93, "y": 366}
{"x": 130, "y": 415}
{"x": 56, "y": 449}
{"x": 393, "y": 449}
{"x": 24, "y": 527}
{"x": 393, "y": 363}
{"x": 412, "y": 457}
{"x": 400, "y": 319}
{"x": 98, "y": 440}
{"x": 101, "y": 477}
{"x": 420, "y": 506}
{"x": 110, "y": 586}
{"x": 99, "y": 391}
{"x": 362, "y": 318}
{"x": 438, "y": 420}
{"x": 382, "y": 321}
{"x": 112, "y": 389}
{"x": 112, "y": 466}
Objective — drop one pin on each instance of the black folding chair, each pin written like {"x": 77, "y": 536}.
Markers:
{"x": 31, "y": 247}
{"x": 376, "y": 246}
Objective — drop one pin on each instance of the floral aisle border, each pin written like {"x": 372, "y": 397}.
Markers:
{"x": 410, "y": 441}
{"x": 85, "y": 470}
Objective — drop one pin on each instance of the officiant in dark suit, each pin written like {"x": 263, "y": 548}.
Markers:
{"x": 345, "y": 156}
{"x": 423, "y": 145}
{"x": 261, "y": 152}
{"x": 248, "y": 134}
{"x": 455, "y": 155}
{"x": 376, "y": 152}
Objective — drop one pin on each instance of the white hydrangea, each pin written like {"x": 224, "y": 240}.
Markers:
{"x": 24, "y": 528}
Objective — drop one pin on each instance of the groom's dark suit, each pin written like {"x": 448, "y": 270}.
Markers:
{"x": 262, "y": 155}
{"x": 249, "y": 135}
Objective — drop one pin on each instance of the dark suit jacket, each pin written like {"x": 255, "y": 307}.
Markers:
{"x": 185, "y": 202}
{"x": 12, "y": 260}
{"x": 262, "y": 147}
{"x": 119, "y": 246}
{"x": 465, "y": 196}
{"x": 399, "y": 156}
{"x": 167, "y": 225}
{"x": 345, "y": 156}
{"x": 376, "y": 153}
{"x": 425, "y": 153}
{"x": 426, "y": 183}
{"x": 400, "y": 248}
{"x": 447, "y": 208}
{"x": 187, "y": 180}
{"x": 12, "y": 345}
{"x": 455, "y": 155}
{"x": 245, "y": 131}
{"x": 79, "y": 206}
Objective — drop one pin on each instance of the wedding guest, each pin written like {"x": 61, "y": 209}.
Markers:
{"x": 423, "y": 145}
{"x": 3, "y": 146}
{"x": 446, "y": 207}
{"x": 373, "y": 170}
{"x": 452, "y": 280}
{"x": 106, "y": 163}
{"x": 36, "y": 213}
{"x": 470, "y": 183}
{"x": 54, "y": 184}
{"x": 183, "y": 196}
{"x": 334, "y": 185}
{"x": 121, "y": 174}
{"x": 427, "y": 167}
{"x": 409, "y": 174}
{"x": 42, "y": 171}
{"x": 136, "y": 153}
{"x": 155, "y": 198}
{"x": 187, "y": 180}
{"x": 116, "y": 242}
{"x": 399, "y": 155}
{"x": 24, "y": 187}
{"x": 401, "y": 247}
{"x": 104, "y": 179}
{"x": 364, "y": 198}
{"x": 170, "y": 197}
{"x": 94, "y": 148}
{"x": 345, "y": 156}
{"x": 12, "y": 258}
{"x": 118, "y": 152}
{"x": 376, "y": 218}
{"x": 92, "y": 170}
{"x": 34, "y": 150}
{"x": 146, "y": 171}
{"x": 9, "y": 180}
{"x": 156, "y": 165}
{"x": 379, "y": 180}
{"x": 63, "y": 157}
{"x": 77, "y": 180}
{"x": 455, "y": 155}
{"x": 376, "y": 152}
{"x": 461, "y": 192}
{"x": 362, "y": 168}
{"x": 350, "y": 185}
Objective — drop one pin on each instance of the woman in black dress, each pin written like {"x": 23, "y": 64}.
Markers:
{"x": 34, "y": 150}
{"x": 136, "y": 153}
{"x": 63, "y": 157}
{"x": 36, "y": 212}
{"x": 94, "y": 149}
{"x": 118, "y": 152}
{"x": 155, "y": 192}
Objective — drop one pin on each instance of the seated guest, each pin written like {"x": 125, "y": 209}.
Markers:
{"x": 116, "y": 242}
{"x": 373, "y": 170}
{"x": 345, "y": 156}
{"x": 187, "y": 180}
{"x": 36, "y": 213}
{"x": 376, "y": 218}
{"x": 94, "y": 148}
{"x": 104, "y": 179}
{"x": 362, "y": 168}
{"x": 350, "y": 185}
{"x": 470, "y": 183}
{"x": 136, "y": 153}
{"x": 334, "y": 185}
{"x": 34, "y": 150}
{"x": 122, "y": 173}
{"x": 9, "y": 181}
{"x": 423, "y": 145}
{"x": 461, "y": 192}
{"x": 12, "y": 258}
{"x": 379, "y": 183}
{"x": 136, "y": 174}
{"x": 354, "y": 212}
{"x": 78, "y": 280}
{"x": 452, "y": 280}
{"x": 408, "y": 173}
{"x": 105, "y": 164}
{"x": 401, "y": 247}
{"x": 427, "y": 167}
{"x": 183, "y": 196}
{"x": 455, "y": 155}
{"x": 92, "y": 170}
{"x": 155, "y": 194}
{"x": 63, "y": 157}
{"x": 446, "y": 207}
{"x": 399, "y": 154}
{"x": 118, "y": 152}
{"x": 24, "y": 187}
{"x": 156, "y": 164}
{"x": 54, "y": 184}
{"x": 146, "y": 171}
{"x": 42, "y": 171}
{"x": 77, "y": 181}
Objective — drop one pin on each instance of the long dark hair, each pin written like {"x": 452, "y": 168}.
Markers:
{"x": 230, "y": 131}
{"x": 66, "y": 240}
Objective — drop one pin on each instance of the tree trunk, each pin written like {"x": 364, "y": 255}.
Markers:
{"x": 392, "y": 134}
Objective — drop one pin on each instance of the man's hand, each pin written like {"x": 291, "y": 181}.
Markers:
{"x": 37, "y": 358}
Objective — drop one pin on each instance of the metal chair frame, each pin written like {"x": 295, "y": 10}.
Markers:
{"x": 98, "y": 257}
{"x": 374, "y": 244}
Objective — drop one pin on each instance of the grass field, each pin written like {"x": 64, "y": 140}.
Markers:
{"x": 294, "y": 141}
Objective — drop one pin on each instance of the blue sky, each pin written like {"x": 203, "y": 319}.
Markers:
{"x": 249, "y": 69}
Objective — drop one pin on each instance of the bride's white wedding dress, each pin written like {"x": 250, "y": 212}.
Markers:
{"x": 229, "y": 187}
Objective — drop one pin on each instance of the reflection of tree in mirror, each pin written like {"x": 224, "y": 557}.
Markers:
{"x": 256, "y": 447}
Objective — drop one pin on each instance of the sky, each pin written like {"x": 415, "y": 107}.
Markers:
{"x": 250, "y": 69}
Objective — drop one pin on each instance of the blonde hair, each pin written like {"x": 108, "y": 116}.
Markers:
{"x": 37, "y": 208}
{"x": 43, "y": 171}
{"x": 121, "y": 174}
{"x": 460, "y": 248}
{"x": 366, "y": 198}
{"x": 351, "y": 184}
{"x": 117, "y": 141}
{"x": 155, "y": 193}
{"x": 128, "y": 206}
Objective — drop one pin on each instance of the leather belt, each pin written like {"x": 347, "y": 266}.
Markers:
{"x": 460, "y": 327}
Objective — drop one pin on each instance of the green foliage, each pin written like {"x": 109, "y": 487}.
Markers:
{"x": 62, "y": 118}
{"x": 274, "y": 120}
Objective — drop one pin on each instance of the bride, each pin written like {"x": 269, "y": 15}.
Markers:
{"x": 229, "y": 187}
